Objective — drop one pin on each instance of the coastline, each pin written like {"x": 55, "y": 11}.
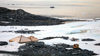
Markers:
{"x": 46, "y": 23}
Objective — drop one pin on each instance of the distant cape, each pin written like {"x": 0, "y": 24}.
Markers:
{"x": 23, "y": 18}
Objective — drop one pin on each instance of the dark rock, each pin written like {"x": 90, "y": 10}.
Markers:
{"x": 20, "y": 17}
{"x": 3, "y": 43}
{"x": 6, "y": 31}
{"x": 4, "y": 10}
{"x": 48, "y": 38}
{"x": 41, "y": 49}
{"x": 86, "y": 43}
{"x": 7, "y": 52}
{"x": 62, "y": 45}
{"x": 74, "y": 39}
{"x": 97, "y": 44}
{"x": 26, "y": 31}
{"x": 23, "y": 31}
{"x": 52, "y": 7}
{"x": 88, "y": 39}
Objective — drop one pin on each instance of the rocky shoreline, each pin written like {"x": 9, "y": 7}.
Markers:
{"x": 22, "y": 18}
{"x": 41, "y": 49}
{"x": 19, "y": 17}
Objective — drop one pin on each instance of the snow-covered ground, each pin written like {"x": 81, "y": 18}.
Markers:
{"x": 86, "y": 29}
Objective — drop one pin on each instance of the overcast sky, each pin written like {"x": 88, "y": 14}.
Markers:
{"x": 48, "y": 2}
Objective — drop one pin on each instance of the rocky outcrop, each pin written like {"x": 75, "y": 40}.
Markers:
{"x": 41, "y": 49}
{"x": 88, "y": 39}
{"x": 3, "y": 43}
{"x": 4, "y": 10}
{"x": 48, "y": 38}
{"x": 20, "y": 17}
{"x": 74, "y": 39}
{"x": 97, "y": 44}
{"x": 26, "y": 31}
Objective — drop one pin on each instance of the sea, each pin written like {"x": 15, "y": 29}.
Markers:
{"x": 68, "y": 9}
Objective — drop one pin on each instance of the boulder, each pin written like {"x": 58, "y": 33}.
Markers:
{"x": 88, "y": 39}
{"x": 3, "y": 43}
{"x": 97, "y": 44}
{"x": 74, "y": 39}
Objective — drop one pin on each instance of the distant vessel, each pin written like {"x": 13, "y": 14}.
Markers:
{"x": 52, "y": 7}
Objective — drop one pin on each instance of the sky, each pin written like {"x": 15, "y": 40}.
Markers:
{"x": 88, "y": 8}
{"x": 54, "y": 2}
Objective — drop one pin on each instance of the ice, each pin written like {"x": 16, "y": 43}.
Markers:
{"x": 10, "y": 47}
{"x": 84, "y": 29}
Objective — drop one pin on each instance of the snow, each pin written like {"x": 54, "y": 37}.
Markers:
{"x": 84, "y": 29}
{"x": 10, "y": 47}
